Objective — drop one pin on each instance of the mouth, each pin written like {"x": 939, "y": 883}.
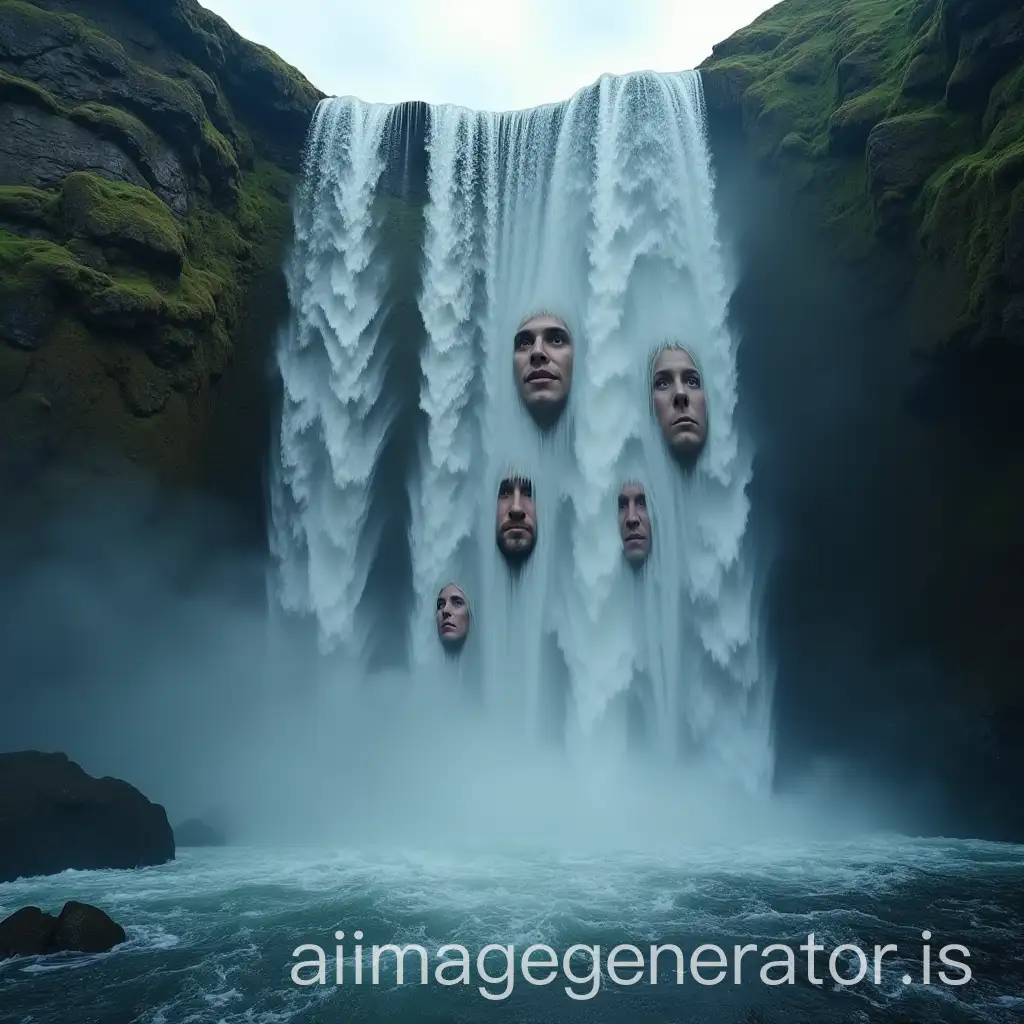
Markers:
{"x": 449, "y": 627}
{"x": 634, "y": 538}
{"x": 541, "y": 377}
{"x": 516, "y": 528}
{"x": 684, "y": 421}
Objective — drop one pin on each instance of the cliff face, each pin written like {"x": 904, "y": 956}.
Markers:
{"x": 881, "y": 306}
{"x": 147, "y": 156}
{"x": 904, "y": 119}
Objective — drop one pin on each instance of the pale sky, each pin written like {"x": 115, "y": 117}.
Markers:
{"x": 484, "y": 54}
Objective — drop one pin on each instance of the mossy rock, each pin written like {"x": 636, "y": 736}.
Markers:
{"x": 33, "y": 207}
{"x": 29, "y": 264}
{"x": 123, "y": 219}
{"x": 985, "y": 55}
{"x": 914, "y": 119}
{"x": 121, "y": 304}
{"x": 851, "y": 124}
{"x": 20, "y": 90}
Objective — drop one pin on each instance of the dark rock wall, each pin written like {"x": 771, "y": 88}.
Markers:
{"x": 871, "y": 195}
{"x": 147, "y": 160}
{"x": 53, "y": 816}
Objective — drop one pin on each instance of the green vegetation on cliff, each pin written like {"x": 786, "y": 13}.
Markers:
{"x": 147, "y": 160}
{"x": 905, "y": 118}
{"x": 900, "y": 126}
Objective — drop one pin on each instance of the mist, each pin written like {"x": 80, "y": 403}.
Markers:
{"x": 137, "y": 639}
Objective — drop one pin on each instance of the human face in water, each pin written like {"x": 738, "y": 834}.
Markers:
{"x": 516, "y": 518}
{"x": 542, "y": 360}
{"x": 634, "y": 524}
{"x": 680, "y": 403}
{"x": 452, "y": 615}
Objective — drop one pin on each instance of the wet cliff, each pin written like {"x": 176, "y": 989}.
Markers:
{"x": 870, "y": 163}
{"x": 147, "y": 159}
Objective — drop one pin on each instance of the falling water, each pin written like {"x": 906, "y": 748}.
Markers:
{"x": 600, "y": 211}
{"x": 333, "y": 422}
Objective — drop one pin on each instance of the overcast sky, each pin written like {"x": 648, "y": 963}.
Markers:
{"x": 485, "y": 54}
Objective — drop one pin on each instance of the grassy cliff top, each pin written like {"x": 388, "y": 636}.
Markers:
{"x": 905, "y": 118}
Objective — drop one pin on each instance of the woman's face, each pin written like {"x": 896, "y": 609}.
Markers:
{"x": 680, "y": 403}
{"x": 452, "y": 615}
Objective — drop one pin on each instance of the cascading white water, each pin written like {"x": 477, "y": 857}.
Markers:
{"x": 599, "y": 211}
{"x": 333, "y": 422}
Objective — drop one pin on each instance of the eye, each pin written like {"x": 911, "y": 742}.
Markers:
{"x": 622, "y": 503}
{"x": 505, "y": 489}
{"x": 559, "y": 338}
{"x": 523, "y": 340}
{"x": 458, "y": 602}
{"x": 527, "y": 490}
{"x": 440, "y": 603}
{"x": 661, "y": 380}
{"x": 641, "y": 500}
{"x": 693, "y": 380}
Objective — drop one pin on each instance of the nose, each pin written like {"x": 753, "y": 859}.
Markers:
{"x": 446, "y": 612}
{"x": 632, "y": 519}
{"x": 680, "y": 399}
{"x": 538, "y": 356}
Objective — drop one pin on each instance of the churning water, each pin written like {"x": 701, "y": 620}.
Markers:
{"x": 211, "y": 937}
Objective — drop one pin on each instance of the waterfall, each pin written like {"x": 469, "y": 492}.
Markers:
{"x": 599, "y": 211}
{"x": 331, "y": 366}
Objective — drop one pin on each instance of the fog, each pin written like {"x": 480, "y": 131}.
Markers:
{"x": 136, "y": 639}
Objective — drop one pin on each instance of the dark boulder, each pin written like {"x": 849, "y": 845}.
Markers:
{"x": 194, "y": 832}
{"x": 26, "y": 933}
{"x": 53, "y": 816}
{"x": 80, "y": 928}
{"x": 85, "y": 929}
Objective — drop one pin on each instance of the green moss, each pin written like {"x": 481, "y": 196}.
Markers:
{"x": 965, "y": 209}
{"x": 20, "y": 204}
{"x": 219, "y": 161}
{"x": 98, "y": 48}
{"x": 123, "y": 218}
{"x": 1007, "y": 95}
{"x": 117, "y": 126}
{"x": 22, "y": 13}
{"x": 18, "y": 90}
{"x": 264, "y": 210}
{"x": 850, "y": 124}
{"x": 793, "y": 92}
{"x": 30, "y": 263}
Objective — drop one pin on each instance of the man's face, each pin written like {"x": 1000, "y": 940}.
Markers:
{"x": 452, "y": 615}
{"x": 517, "y": 518}
{"x": 542, "y": 363}
{"x": 680, "y": 403}
{"x": 634, "y": 523}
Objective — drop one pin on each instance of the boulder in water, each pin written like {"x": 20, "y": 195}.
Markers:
{"x": 195, "y": 832}
{"x": 53, "y": 816}
{"x": 79, "y": 928}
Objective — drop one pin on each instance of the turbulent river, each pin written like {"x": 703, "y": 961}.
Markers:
{"x": 211, "y": 936}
